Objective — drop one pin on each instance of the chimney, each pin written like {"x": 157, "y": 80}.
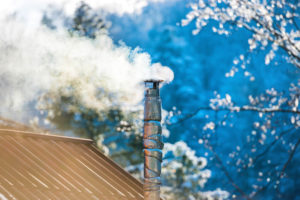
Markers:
{"x": 152, "y": 141}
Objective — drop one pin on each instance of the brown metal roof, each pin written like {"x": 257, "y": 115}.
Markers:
{"x": 36, "y": 166}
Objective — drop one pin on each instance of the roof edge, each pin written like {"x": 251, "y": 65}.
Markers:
{"x": 136, "y": 181}
{"x": 47, "y": 136}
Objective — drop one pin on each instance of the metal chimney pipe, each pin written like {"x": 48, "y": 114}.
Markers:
{"x": 152, "y": 141}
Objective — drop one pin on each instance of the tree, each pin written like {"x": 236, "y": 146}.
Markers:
{"x": 266, "y": 148}
{"x": 274, "y": 131}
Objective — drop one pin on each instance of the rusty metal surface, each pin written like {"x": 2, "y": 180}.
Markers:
{"x": 152, "y": 141}
{"x": 35, "y": 166}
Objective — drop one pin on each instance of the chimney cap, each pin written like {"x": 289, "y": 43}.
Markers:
{"x": 152, "y": 83}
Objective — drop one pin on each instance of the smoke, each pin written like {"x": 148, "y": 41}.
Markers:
{"x": 35, "y": 60}
{"x": 31, "y": 8}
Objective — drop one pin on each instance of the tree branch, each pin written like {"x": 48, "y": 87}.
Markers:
{"x": 272, "y": 144}
{"x": 276, "y": 34}
{"x": 223, "y": 168}
{"x": 287, "y": 162}
{"x": 293, "y": 18}
{"x": 282, "y": 171}
{"x": 290, "y": 158}
{"x": 245, "y": 108}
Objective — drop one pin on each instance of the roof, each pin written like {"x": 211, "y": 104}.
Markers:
{"x": 39, "y": 166}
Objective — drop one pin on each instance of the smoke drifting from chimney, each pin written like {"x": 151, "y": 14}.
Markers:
{"x": 35, "y": 59}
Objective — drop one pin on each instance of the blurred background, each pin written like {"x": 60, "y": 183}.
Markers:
{"x": 231, "y": 112}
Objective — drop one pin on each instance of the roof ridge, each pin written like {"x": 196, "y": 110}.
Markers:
{"x": 10, "y": 131}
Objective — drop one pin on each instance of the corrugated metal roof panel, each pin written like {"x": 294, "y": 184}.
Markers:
{"x": 36, "y": 166}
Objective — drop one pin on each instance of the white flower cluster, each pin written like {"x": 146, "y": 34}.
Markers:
{"x": 219, "y": 102}
{"x": 217, "y": 194}
{"x": 180, "y": 162}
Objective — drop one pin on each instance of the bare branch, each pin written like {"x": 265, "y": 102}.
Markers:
{"x": 223, "y": 168}
{"x": 272, "y": 144}
{"x": 283, "y": 168}
{"x": 290, "y": 158}
{"x": 291, "y": 155}
{"x": 245, "y": 108}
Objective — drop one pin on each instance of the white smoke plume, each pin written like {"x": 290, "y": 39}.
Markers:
{"x": 32, "y": 8}
{"x": 35, "y": 59}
